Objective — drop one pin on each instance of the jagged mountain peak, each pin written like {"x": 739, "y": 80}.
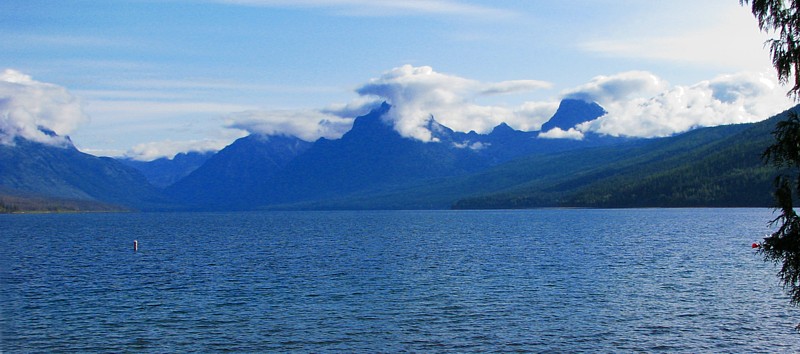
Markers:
{"x": 372, "y": 120}
{"x": 503, "y": 130}
{"x": 572, "y": 112}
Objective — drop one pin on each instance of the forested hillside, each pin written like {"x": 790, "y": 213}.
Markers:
{"x": 719, "y": 167}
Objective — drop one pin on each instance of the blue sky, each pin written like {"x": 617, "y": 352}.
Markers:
{"x": 151, "y": 78}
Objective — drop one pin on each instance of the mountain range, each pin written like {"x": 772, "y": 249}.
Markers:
{"x": 374, "y": 167}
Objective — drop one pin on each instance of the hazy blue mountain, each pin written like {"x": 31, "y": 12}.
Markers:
{"x": 235, "y": 177}
{"x": 164, "y": 172}
{"x": 63, "y": 175}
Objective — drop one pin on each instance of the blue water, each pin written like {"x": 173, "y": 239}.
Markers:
{"x": 680, "y": 280}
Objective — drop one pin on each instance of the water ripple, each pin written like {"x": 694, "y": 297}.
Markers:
{"x": 422, "y": 281}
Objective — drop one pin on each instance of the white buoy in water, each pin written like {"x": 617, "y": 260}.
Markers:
{"x": 135, "y": 245}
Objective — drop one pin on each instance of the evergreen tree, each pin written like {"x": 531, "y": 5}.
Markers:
{"x": 783, "y": 18}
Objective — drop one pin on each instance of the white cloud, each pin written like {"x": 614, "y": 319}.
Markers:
{"x": 558, "y": 133}
{"x": 417, "y": 93}
{"x": 470, "y": 145}
{"x": 26, "y": 105}
{"x": 619, "y": 87}
{"x": 308, "y": 125}
{"x": 168, "y": 148}
{"x": 531, "y": 115}
{"x": 636, "y": 108}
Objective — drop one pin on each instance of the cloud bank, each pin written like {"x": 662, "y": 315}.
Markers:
{"x": 640, "y": 104}
{"x": 27, "y": 107}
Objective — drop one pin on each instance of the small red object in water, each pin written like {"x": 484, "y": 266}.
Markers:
{"x": 755, "y": 245}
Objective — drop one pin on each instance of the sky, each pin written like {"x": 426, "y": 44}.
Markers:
{"x": 148, "y": 79}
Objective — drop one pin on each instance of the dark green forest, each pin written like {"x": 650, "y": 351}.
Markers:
{"x": 709, "y": 167}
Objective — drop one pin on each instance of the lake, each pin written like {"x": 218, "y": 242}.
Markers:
{"x": 571, "y": 280}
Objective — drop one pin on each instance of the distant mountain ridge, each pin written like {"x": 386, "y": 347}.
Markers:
{"x": 163, "y": 172}
{"x": 374, "y": 167}
{"x": 371, "y": 156}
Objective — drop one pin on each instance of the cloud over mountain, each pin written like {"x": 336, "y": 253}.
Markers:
{"x": 417, "y": 93}
{"x": 308, "y": 125}
{"x": 640, "y": 104}
{"x": 619, "y": 87}
{"x": 28, "y": 106}
{"x": 168, "y": 148}
{"x": 558, "y": 133}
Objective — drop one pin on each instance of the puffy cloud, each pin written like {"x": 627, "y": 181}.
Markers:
{"x": 472, "y": 146}
{"x": 27, "y": 107}
{"x": 640, "y": 104}
{"x": 308, "y": 125}
{"x": 558, "y": 133}
{"x": 155, "y": 150}
{"x": 419, "y": 93}
{"x": 732, "y": 88}
{"x": 531, "y": 115}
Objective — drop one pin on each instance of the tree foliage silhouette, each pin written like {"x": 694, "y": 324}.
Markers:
{"x": 782, "y": 18}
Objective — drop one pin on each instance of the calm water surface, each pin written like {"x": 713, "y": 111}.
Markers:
{"x": 682, "y": 280}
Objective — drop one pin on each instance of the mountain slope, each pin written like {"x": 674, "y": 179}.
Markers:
{"x": 372, "y": 155}
{"x": 717, "y": 166}
{"x": 728, "y": 173}
{"x": 44, "y": 172}
{"x": 234, "y": 178}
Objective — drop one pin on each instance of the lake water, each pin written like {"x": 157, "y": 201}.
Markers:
{"x": 678, "y": 280}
